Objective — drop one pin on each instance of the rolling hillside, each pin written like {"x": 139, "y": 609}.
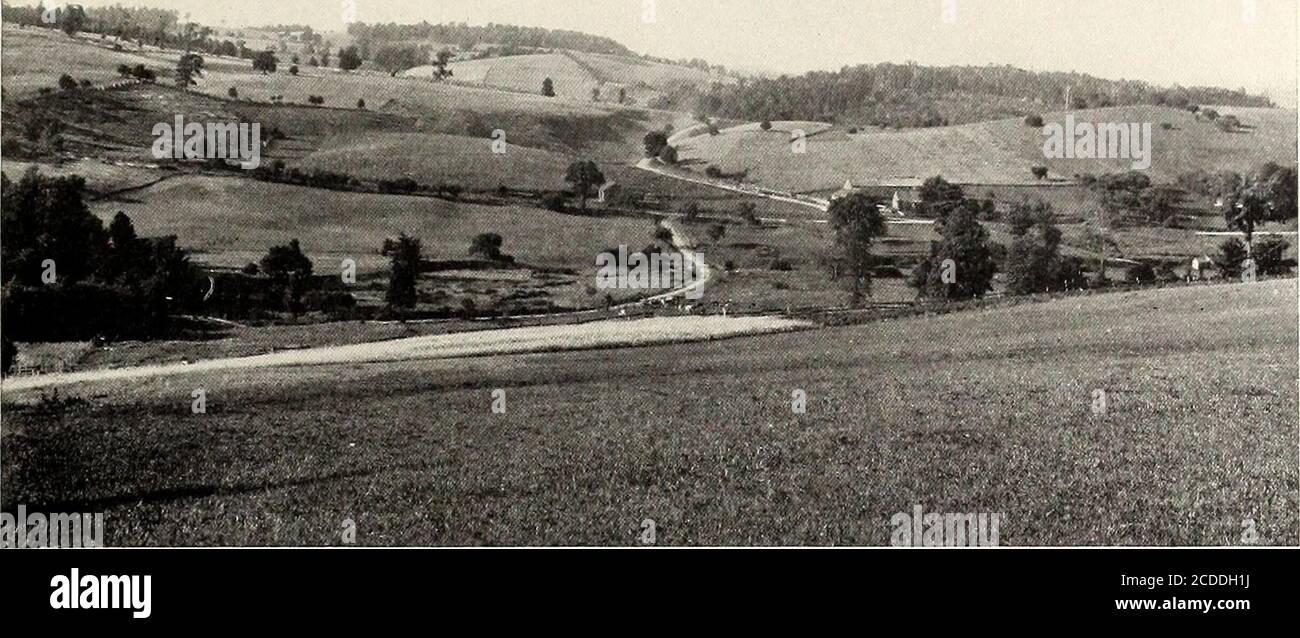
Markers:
{"x": 997, "y": 153}
{"x": 231, "y": 221}
{"x": 986, "y": 411}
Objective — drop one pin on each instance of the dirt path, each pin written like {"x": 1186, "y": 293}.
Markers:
{"x": 597, "y": 334}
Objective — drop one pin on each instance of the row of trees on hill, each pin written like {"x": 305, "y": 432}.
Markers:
{"x": 910, "y": 95}
{"x": 466, "y": 36}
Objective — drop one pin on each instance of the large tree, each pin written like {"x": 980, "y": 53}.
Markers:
{"x": 395, "y": 58}
{"x": 1269, "y": 194}
{"x": 961, "y": 263}
{"x": 349, "y": 58}
{"x": 856, "y": 221}
{"x": 584, "y": 176}
{"x": 405, "y": 271}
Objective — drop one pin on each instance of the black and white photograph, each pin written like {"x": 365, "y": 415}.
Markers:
{"x": 651, "y": 275}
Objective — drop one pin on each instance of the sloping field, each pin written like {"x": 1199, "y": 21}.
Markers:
{"x": 999, "y": 152}
{"x": 976, "y": 412}
{"x": 575, "y": 73}
{"x": 522, "y": 73}
{"x": 233, "y": 221}
{"x": 32, "y": 59}
{"x": 433, "y": 159}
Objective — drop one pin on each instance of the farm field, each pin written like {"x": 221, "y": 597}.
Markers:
{"x": 35, "y": 58}
{"x": 999, "y": 152}
{"x": 228, "y": 219}
{"x": 987, "y": 411}
{"x": 435, "y": 159}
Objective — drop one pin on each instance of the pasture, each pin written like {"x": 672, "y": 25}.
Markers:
{"x": 991, "y": 411}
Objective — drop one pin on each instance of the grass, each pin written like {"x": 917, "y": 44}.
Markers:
{"x": 435, "y": 159}
{"x": 973, "y": 412}
{"x": 231, "y": 221}
{"x": 35, "y": 58}
{"x": 997, "y": 152}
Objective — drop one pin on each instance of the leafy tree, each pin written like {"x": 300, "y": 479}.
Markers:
{"x": 66, "y": 83}
{"x": 1161, "y": 204}
{"x": 1032, "y": 262}
{"x": 73, "y": 19}
{"x": 1039, "y": 172}
{"x": 584, "y": 176}
{"x": 8, "y": 354}
{"x": 290, "y": 270}
{"x": 766, "y": 125}
{"x": 1270, "y": 255}
{"x": 189, "y": 66}
{"x": 440, "y": 61}
{"x": 293, "y": 69}
{"x": 961, "y": 264}
{"x": 1232, "y": 257}
{"x": 45, "y": 218}
{"x": 856, "y": 222}
{"x": 405, "y": 271}
{"x": 349, "y": 58}
{"x": 937, "y": 197}
{"x": 1269, "y": 194}
{"x": 548, "y": 88}
{"x": 488, "y": 246}
{"x": 233, "y": 93}
{"x": 396, "y": 58}
{"x": 265, "y": 61}
{"x": 1036, "y": 121}
{"x": 668, "y": 154}
{"x": 654, "y": 142}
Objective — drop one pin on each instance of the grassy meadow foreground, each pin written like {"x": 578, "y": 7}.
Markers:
{"x": 990, "y": 411}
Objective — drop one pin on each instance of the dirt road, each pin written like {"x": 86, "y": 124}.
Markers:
{"x": 596, "y": 334}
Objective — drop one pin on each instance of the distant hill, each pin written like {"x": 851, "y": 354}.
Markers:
{"x": 999, "y": 152}
{"x": 468, "y": 37}
{"x": 910, "y": 95}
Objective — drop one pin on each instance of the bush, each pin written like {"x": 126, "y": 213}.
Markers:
{"x": 668, "y": 154}
{"x": 8, "y": 353}
{"x": 1270, "y": 255}
{"x": 1035, "y": 121}
{"x": 361, "y": 104}
{"x": 1232, "y": 254}
{"x": 1141, "y": 273}
{"x": 554, "y": 201}
{"x": 66, "y": 82}
{"x": 766, "y": 125}
{"x": 1040, "y": 172}
{"x": 233, "y": 93}
{"x": 779, "y": 263}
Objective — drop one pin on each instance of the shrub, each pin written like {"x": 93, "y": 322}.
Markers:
{"x": 361, "y": 104}
{"x": 233, "y": 93}
{"x": 8, "y": 353}
{"x": 1035, "y": 121}
{"x": 1232, "y": 252}
{"x": 1141, "y": 273}
{"x": 668, "y": 154}
{"x": 554, "y": 201}
{"x": 766, "y": 125}
{"x": 66, "y": 82}
{"x": 1040, "y": 172}
{"x": 1270, "y": 255}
